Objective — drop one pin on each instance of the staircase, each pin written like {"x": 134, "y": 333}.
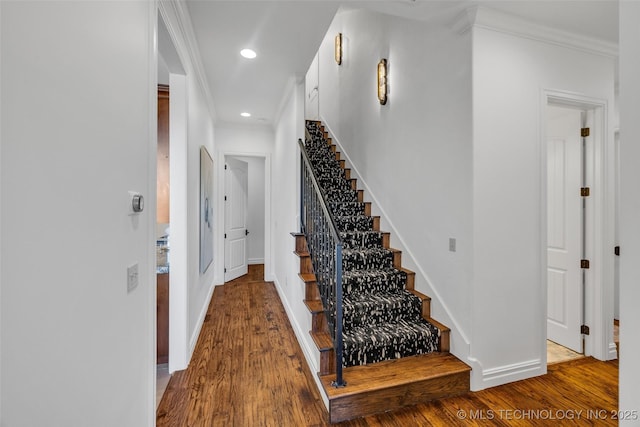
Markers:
{"x": 394, "y": 353}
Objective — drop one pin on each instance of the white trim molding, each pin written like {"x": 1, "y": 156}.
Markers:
{"x": 509, "y": 373}
{"x": 491, "y": 19}
{"x": 178, "y": 22}
{"x": 601, "y": 177}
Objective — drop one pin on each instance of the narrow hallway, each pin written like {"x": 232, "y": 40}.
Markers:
{"x": 247, "y": 368}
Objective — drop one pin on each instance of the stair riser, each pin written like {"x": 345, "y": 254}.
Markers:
{"x": 348, "y": 209}
{"x": 354, "y": 223}
{"x": 393, "y": 398}
{"x": 364, "y": 261}
{"x": 359, "y": 316}
{"x": 318, "y": 322}
{"x": 365, "y": 283}
{"x": 353, "y": 240}
{"x": 373, "y": 352}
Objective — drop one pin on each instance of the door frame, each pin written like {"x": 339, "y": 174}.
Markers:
{"x": 220, "y": 212}
{"x": 179, "y": 347}
{"x": 599, "y": 223}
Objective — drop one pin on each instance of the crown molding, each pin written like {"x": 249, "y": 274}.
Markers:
{"x": 178, "y": 21}
{"x": 491, "y": 19}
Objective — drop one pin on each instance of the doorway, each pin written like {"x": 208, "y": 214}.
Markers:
{"x": 566, "y": 237}
{"x": 245, "y": 215}
{"x": 172, "y": 75}
{"x": 586, "y": 309}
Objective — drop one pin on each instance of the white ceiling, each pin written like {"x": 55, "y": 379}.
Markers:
{"x": 286, "y": 35}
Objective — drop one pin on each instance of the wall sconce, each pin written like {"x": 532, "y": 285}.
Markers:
{"x": 382, "y": 81}
{"x": 338, "y": 49}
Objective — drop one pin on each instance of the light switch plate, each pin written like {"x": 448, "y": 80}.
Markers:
{"x": 132, "y": 277}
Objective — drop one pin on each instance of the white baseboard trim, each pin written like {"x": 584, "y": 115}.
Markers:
{"x": 313, "y": 361}
{"x": 253, "y": 261}
{"x": 196, "y": 332}
{"x": 613, "y": 351}
{"x": 506, "y": 374}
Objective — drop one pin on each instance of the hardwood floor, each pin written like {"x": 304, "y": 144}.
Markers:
{"x": 248, "y": 370}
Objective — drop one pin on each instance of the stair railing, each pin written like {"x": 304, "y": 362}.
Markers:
{"x": 325, "y": 248}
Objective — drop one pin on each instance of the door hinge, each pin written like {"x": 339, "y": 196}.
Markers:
{"x": 584, "y": 263}
{"x": 616, "y": 250}
{"x": 225, "y": 235}
{"x": 225, "y": 269}
{"x": 225, "y": 167}
{"x": 585, "y": 191}
{"x": 584, "y": 132}
{"x": 225, "y": 198}
{"x": 584, "y": 329}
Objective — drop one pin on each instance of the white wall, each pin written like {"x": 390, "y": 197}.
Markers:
{"x": 255, "y": 142}
{"x": 191, "y": 127}
{"x": 256, "y": 209}
{"x": 509, "y": 298}
{"x": 286, "y": 219}
{"x": 200, "y": 132}
{"x": 77, "y": 134}
{"x": 630, "y": 206}
{"x": 412, "y": 155}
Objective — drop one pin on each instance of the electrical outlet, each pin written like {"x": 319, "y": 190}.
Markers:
{"x": 132, "y": 277}
{"x": 452, "y": 244}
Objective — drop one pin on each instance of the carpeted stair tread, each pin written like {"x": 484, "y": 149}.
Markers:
{"x": 347, "y": 208}
{"x": 372, "y": 281}
{"x": 370, "y": 344}
{"x": 367, "y": 259}
{"x": 353, "y": 222}
{"x": 384, "y": 307}
{"x": 338, "y": 195}
{"x": 361, "y": 239}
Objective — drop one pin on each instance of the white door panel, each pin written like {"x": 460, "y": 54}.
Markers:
{"x": 236, "y": 193}
{"x": 564, "y": 232}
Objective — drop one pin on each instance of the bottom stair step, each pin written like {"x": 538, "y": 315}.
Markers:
{"x": 377, "y": 343}
{"x": 393, "y": 384}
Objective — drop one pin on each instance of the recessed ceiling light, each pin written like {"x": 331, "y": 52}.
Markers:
{"x": 248, "y": 53}
{"x": 245, "y": 114}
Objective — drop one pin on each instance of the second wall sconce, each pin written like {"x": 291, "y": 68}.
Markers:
{"x": 382, "y": 81}
{"x": 338, "y": 49}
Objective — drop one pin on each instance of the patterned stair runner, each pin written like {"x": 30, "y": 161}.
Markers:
{"x": 382, "y": 320}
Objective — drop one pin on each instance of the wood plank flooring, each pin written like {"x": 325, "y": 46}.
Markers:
{"x": 248, "y": 370}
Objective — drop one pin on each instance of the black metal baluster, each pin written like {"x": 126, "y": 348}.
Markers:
{"x": 325, "y": 248}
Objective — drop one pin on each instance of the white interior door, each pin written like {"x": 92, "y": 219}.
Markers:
{"x": 564, "y": 232}
{"x": 235, "y": 219}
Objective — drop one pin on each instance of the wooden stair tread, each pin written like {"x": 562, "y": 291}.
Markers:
{"x": 314, "y": 306}
{"x": 322, "y": 340}
{"x": 420, "y": 295}
{"x": 301, "y": 254}
{"x": 438, "y": 325}
{"x": 393, "y": 373}
{"x": 307, "y": 277}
